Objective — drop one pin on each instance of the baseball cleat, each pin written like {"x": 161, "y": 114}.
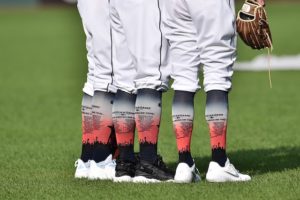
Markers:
{"x": 228, "y": 173}
{"x": 125, "y": 171}
{"x": 104, "y": 170}
{"x": 147, "y": 172}
{"x": 82, "y": 169}
{"x": 186, "y": 174}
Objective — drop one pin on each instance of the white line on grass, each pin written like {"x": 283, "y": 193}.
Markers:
{"x": 260, "y": 63}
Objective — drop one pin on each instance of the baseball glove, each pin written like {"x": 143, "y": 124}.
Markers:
{"x": 253, "y": 27}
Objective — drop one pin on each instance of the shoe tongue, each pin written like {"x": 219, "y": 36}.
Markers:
{"x": 109, "y": 158}
{"x": 227, "y": 162}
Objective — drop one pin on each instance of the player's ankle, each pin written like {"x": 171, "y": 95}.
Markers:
{"x": 186, "y": 157}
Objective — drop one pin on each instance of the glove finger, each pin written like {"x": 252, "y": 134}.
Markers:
{"x": 268, "y": 31}
{"x": 265, "y": 34}
{"x": 253, "y": 43}
{"x": 268, "y": 40}
{"x": 246, "y": 33}
{"x": 253, "y": 37}
{"x": 241, "y": 31}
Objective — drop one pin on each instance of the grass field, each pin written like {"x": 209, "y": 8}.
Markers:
{"x": 42, "y": 70}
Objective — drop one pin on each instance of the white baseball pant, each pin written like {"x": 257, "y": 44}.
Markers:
{"x": 201, "y": 32}
{"x": 96, "y": 23}
{"x": 136, "y": 24}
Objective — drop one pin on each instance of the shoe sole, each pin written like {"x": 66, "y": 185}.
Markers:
{"x": 100, "y": 177}
{"x": 225, "y": 179}
{"x": 95, "y": 177}
{"x": 182, "y": 181}
{"x": 185, "y": 178}
{"x": 81, "y": 175}
{"x": 122, "y": 179}
{"x": 194, "y": 180}
{"x": 100, "y": 174}
{"x": 142, "y": 179}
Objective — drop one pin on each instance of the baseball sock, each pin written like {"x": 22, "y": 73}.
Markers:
{"x": 147, "y": 118}
{"x": 124, "y": 123}
{"x": 102, "y": 124}
{"x": 113, "y": 144}
{"x": 87, "y": 128}
{"x": 216, "y": 116}
{"x": 183, "y": 116}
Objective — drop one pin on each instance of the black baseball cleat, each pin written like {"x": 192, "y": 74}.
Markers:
{"x": 147, "y": 172}
{"x": 125, "y": 171}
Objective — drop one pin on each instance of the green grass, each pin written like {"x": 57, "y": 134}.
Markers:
{"x": 42, "y": 70}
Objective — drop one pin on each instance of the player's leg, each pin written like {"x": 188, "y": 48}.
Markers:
{"x": 220, "y": 169}
{"x": 151, "y": 167}
{"x": 95, "y": 18}
{"x": 180, "y": 30}
{"x": 183, "y": 117}
{"x": 215, "y": 24}
{"x": 82, "y": 165}
{"x": 123, "y": 119}
{"x": 147, "y": 117}
{"x": 216, "y": 114}
{"x": 152, "y": 79}
{"x": 144, "y": 38}
{"x": 124, "y": 102}
{"x": 102, "y": 165}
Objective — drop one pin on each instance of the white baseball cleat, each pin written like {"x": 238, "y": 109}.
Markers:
{"x": 228, "y": 173}
{"x": 186, "y": 174}
{"x": 104, "y": 170}
{"x": 82, "y": 169}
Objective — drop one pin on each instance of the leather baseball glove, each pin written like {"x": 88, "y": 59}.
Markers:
{"x": 253, "y": 27}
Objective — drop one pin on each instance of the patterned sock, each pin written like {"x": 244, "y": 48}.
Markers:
{"x": 103, "y": 125}
{"x": 113, "y": 144}
{"x": 124, "y": 123}
{"x": 216, "y": 116}
{"x": 183, "y": 116}
{"x": 147, "y": 118}
{"x": 87, "y": 128}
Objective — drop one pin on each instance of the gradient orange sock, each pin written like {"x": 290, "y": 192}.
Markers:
{"x": 124, "y": 123}
{"x": 102, "y": 125}
{"x": 87, "y": 128}
{"x": 183, "y": 117}
{"x": 216, "y": 113}
{"x": 147, "y": 118}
